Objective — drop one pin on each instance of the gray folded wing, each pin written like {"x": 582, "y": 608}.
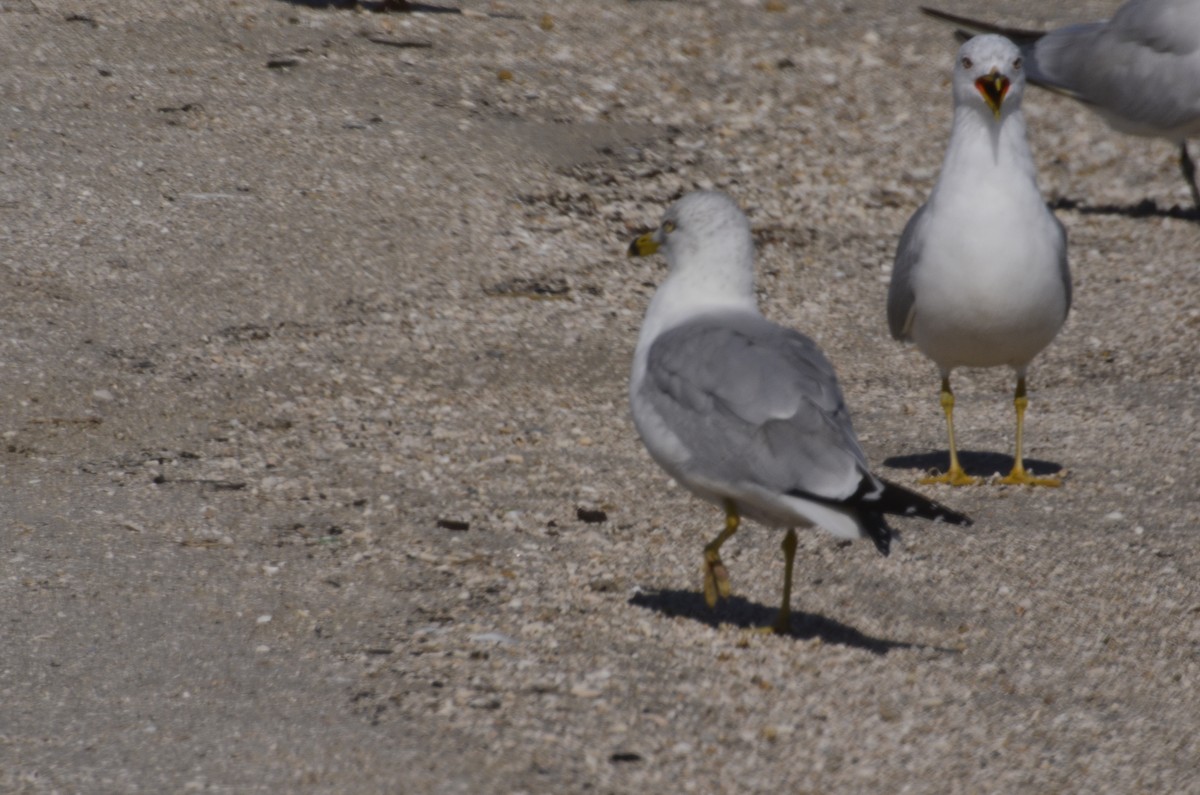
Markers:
{"x": 900, "y": 292}
{"x": 755, "y": 403}
{"x": 1064, "y": 269}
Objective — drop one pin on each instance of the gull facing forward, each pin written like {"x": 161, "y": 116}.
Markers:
{"x": 1140, "y": 70}
{"x": 980, "y": 277}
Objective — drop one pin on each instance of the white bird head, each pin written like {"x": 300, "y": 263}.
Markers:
{"x": 704, "y": 228}
{"x": 989, "y": 74}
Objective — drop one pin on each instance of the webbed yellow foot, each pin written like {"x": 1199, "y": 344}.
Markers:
{"x": 1020, "y": 477}
{"x": 955, "y": 476}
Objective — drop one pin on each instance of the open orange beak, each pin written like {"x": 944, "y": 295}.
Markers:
{"x": 993, "y": 87}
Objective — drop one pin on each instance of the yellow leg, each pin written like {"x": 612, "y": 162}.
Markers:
{"x": 955, "y": 476}
{"x": 716, "y": 576}
{"x": 1018, "y": 476}
{"x": 783, "y": 621}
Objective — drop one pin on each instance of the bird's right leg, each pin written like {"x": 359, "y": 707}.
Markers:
{"x": 716, "y": 576}
{"x": 783, "y": 621}
{"x": 955, "y": 476}
{"x": 1189, "y": 173}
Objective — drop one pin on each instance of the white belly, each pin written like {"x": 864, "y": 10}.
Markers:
{"x": 974, "y": 308}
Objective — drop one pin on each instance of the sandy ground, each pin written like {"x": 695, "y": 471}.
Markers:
{"x": 317, "y": 469}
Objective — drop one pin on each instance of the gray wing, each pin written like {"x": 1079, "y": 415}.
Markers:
{"x": 1064, "y": 270}
{"x": 1140, "y": 69}
{"x": 901, "y": 296}
{"x": 754, "y": 402}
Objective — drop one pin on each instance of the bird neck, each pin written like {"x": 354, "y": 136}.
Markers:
{"x": 707, "y": 285}
{"x": 985, "y": 151}
{"x": 683, "y": 295}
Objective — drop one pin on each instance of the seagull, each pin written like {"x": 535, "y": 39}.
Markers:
{"x": 1140, "y": 70}
{"x": 744, "y": 413}
{"x": 980, "y": 277}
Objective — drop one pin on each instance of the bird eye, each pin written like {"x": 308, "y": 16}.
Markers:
{"x": 1017, "y": 62}
{"x": 967, "y": 63}
{"x": 668, "y": 227}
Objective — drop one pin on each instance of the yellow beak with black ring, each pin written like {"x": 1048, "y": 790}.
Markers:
{"x": 644, "y": 245}
{"x": 993, "y": 87}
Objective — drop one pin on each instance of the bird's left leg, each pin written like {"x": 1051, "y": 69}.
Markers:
{"x": 783, "y": 621}
{"x": 716, "y": 576}
{"x": 1018, "y": 476}
{"x": 1189, "y": 173}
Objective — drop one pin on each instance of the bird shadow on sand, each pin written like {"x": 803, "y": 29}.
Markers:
{"x": 1146, "y": 208}
{"x": 974, "y": 462}
{"x": 749, "y": 615}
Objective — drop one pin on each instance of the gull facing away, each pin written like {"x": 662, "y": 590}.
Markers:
{"x": 1140, "y": 70}
{"x": 744, "y": 413}
{"x": 980, "y": 277}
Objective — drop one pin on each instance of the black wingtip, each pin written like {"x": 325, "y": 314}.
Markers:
{"x": 879, "y": 531}
{"x": 900, "y": 501}
{"x": 940, "y": 15}
{"x": 968, "y": 28}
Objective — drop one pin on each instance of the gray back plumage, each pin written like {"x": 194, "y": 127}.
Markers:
{"x": 755, "y": 403}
